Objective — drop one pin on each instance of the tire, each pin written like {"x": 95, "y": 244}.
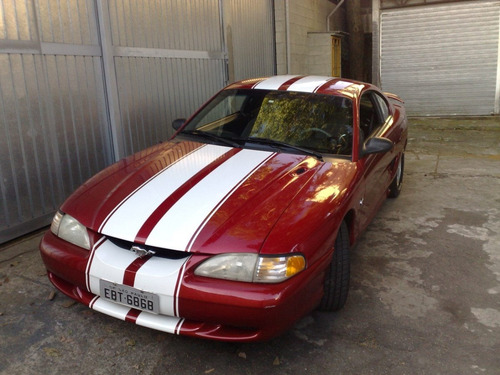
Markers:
{"x": 336, "y": 284}
{"x": 397, "y": 183}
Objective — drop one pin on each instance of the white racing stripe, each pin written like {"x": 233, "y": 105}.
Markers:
{"x": 308, "y": 84}
{"x": 273, "y": 83}
{"x": 158, "y": 275}
{"x": 159, "y": 322}
{"x": 109, "y": 308}
{"x": 128, "y": 218}
{"x": 169, "y": 324}
{"x": 177, "y": 227}
{"x": 109, "y": 262}
{"x": 91, "y": 257}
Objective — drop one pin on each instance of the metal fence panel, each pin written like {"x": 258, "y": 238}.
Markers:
{"x": 168, "y": 59}
{"x": 154, "y": 91}
{"x": 52, "y": 108}
{"x": 249, "y": 35}
{"x": 166, "y": 24}
{"x": 70, "y": 21}
{"x": 86, "y": 82}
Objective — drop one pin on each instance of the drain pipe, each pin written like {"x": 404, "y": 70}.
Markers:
{"x": 287, "y": 26}
{"x": 331, "y": 14}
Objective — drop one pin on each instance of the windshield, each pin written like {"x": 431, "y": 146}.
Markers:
{"x": 320, "y": 123}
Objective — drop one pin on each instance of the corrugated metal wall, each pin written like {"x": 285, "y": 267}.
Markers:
{"x": 247, "y": 26}
{"x": 443, "y": 59}
{"x": 86, "y": 82}
{"x": 52, "y": 108}
{"x": 169, "y": 58}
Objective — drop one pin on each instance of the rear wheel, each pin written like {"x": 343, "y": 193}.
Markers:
{"x": 336, "y": 285}
{"x": 397, "y": 182}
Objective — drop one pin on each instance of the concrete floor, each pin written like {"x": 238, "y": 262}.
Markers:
{"x": 425, "y": 296}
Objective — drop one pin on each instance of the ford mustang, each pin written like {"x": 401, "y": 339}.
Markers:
{"x": 242, "y": 222}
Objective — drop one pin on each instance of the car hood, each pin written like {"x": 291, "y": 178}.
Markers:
{"x": 193, "y": 197}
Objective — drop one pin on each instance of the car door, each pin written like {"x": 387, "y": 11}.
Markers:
{"x": 374, "y": 116}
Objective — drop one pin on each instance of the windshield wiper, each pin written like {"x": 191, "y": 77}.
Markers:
{"x": 211, "y": 136}
{"x": 281, "y": 145}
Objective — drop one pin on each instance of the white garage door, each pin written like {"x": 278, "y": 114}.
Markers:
{"x": 443, "y": 59}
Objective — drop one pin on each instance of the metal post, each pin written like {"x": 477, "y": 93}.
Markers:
{"x": 110, "y": 84}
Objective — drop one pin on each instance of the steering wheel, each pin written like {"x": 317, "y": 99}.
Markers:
{"x": 318, "y": 130}
{"x": 343, "y": 143}
{"x": 324, "y": 141}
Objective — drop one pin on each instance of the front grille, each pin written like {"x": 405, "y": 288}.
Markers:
{"x": 159, "y": 251}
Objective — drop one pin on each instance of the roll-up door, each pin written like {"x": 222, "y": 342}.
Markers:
{"x": 443, "y": 59}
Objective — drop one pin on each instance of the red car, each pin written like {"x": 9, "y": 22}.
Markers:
{"x": 241, "y": 224}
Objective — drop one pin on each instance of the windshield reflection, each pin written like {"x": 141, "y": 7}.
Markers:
{"x": 320, "y": 123}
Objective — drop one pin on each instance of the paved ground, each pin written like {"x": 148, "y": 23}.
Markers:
{"x": 425, "y": 295}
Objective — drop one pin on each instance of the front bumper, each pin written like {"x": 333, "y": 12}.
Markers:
{"x": 194, "y": 306}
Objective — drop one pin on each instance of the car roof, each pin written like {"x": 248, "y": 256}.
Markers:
{"x": 309, "y": 83}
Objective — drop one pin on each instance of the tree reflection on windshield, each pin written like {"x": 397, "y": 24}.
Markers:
{"x": 322, "y": 123}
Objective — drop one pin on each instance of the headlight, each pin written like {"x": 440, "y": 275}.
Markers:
{"x": 252, "y": 267}
{"x": 69, "y": 229}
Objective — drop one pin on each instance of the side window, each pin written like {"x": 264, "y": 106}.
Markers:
{"x": 373, "y": 113}
{"x": 367, "y": 116}
{"x": 383, "y": 108}
{"x": 224, "y": 106}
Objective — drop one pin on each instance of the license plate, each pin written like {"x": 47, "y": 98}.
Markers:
{"x": 129, "y": 296}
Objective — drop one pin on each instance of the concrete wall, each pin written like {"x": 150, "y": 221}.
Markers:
{"x": 281, "y": 37}
{"x": 319, "y": 59}
{"x": 300, "y": 17}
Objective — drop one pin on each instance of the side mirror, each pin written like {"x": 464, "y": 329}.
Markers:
{"x": 177, "y": 123}
{"x": 377, "y": 145}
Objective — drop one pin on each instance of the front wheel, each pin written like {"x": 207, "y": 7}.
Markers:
{"x": 336, "y": 285}
{"x": 397, "y": 183}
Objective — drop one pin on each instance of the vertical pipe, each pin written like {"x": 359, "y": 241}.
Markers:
{"x": 273, "y": 20}
{"x": 287, "y": 26}
{"x": 376, "y": 42}
{"x": 223, "y": 44}
{"x": 496, "y": 109}
{"x": 332, "y": 13}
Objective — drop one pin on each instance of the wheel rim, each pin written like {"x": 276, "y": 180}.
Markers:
{"x": 398, "y": 172}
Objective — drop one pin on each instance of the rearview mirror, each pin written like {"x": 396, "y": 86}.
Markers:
{"x": 377, "y": 145}
{"x": 177, "y": 123}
